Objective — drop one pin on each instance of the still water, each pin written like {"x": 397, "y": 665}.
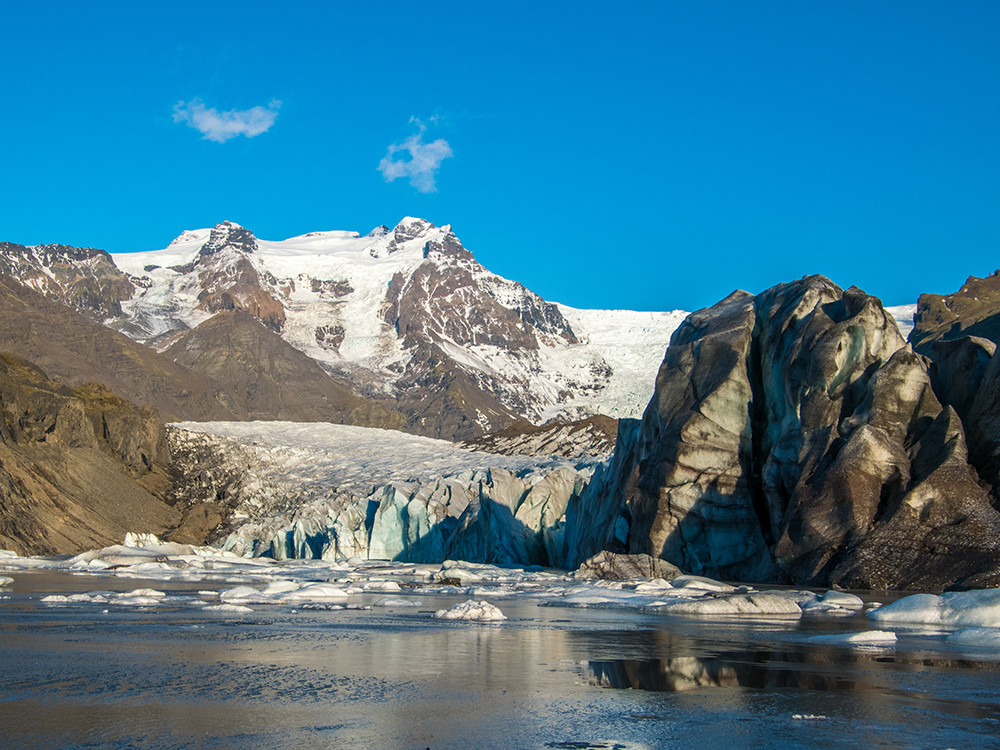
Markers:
{"x": 88, "y": 675}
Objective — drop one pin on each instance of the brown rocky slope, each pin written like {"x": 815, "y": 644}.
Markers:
{"x": 79, "y": 468}
{"x": 75, "y": 349}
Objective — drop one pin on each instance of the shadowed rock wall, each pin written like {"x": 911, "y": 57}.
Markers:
{"x": 794, "y": 437}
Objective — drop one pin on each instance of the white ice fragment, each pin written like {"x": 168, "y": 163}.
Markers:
{"x": 380, "y": 586}
{"x": 808, "y": 717}
{"x": 842, "y": 599}
{"x": 314, "y": 591}
{"x": 6, "y": 581}
{"x": 978, "y": 608}
{"x": 753, "y": 605}
{"x": 864, "y": 638}
{"x": 280, "y": 587}
{"x": 239, "y": 593}
{"x": 481, "y": 611}
{"x": 702, "y": 583}
{"x": 226, "y": 608}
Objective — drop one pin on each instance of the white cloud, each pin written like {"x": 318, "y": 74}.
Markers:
{"x": 424, "y": 159}
{"x": 221, "y": 126}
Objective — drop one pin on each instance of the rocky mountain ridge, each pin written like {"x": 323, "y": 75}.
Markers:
{"x": 406, "y": 314}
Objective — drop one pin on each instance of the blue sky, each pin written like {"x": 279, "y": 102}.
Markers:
{"x": 628, "y": 155}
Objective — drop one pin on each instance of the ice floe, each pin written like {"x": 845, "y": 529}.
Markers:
{"x": 134, "y": 598}
{"x": 481, "y": 611}
{"x": 970, "y": 609}
{"x": 757, "y": 604}
{"x": 866, "y": 638}
{"x": 226, "y": 608}
{"x": 6, "y": 580}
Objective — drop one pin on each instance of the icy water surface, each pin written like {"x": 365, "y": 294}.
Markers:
{"x": 90, "y": 674}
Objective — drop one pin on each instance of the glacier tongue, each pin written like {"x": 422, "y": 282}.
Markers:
{"x": 308, "y": 490}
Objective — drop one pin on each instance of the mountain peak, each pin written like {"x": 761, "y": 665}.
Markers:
{"x": 229, "y": 234}
{"x": 410, "y": 228}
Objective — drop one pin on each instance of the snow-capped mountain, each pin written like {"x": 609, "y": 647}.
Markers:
{"x": 406, "y": 313}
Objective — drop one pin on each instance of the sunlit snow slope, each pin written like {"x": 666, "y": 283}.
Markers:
{"x": 394, "y": 308}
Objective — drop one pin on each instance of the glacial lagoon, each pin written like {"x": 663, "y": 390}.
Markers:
{"x": 159, "y": 655}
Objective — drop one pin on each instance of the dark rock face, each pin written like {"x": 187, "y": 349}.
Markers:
{"x": 615, "y": 567}
{"x": 83, "y": 278}
{"x": 229, "y": 280}
{"x": 446, "y": 304}
{"x": 983, "y": 427}
{"x": 229, "y": 234}
{"x": 793, "y": 437}
{"x": 974, "y": 310}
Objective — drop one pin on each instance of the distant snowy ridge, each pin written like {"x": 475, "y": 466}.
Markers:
{"x": 383, "y": 308}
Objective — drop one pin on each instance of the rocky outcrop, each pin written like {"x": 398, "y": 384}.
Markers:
{"x": 86, "y": 279}
{"x": 79, "y": 468}
{"x": 615, "y": 567}
{"x": 794, "y": 437}
{"x": 974, "y": 310}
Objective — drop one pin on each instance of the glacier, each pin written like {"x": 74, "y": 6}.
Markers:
{"x": 337, "y": 492}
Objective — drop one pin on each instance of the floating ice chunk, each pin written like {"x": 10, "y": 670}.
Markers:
{"x": 314, "y": 591}
{"x": 755, "y": 604}
{"x": 240, "y": 593}
{"x": 989, "y": 637}
{"x": 809, "y": 717}
{"x": 833, "y": 603}
{"x": 842, "y": 599}
{"x": 481, "y": 611}
{"x": 135, "y": 598}
{"x": 864, "y": 638}
{"x": 140, "y": 598}
{"x": 6, "y": 581}
{"x": 980, "y": 608}
{"x": 226, "y": 608}
{"x": 280, "y": 587}
{"x": 654, "y": 586}
{"x": 395, "y": 601}
{"x": 699, "y": 582}
{"x": 380, "y": 586}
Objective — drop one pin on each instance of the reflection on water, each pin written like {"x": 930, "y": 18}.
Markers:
{"x": 680, "y": 666}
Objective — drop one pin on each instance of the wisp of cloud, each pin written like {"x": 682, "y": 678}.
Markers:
{"x": 424, "y": 160}
{"x": 221, "y": 126}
